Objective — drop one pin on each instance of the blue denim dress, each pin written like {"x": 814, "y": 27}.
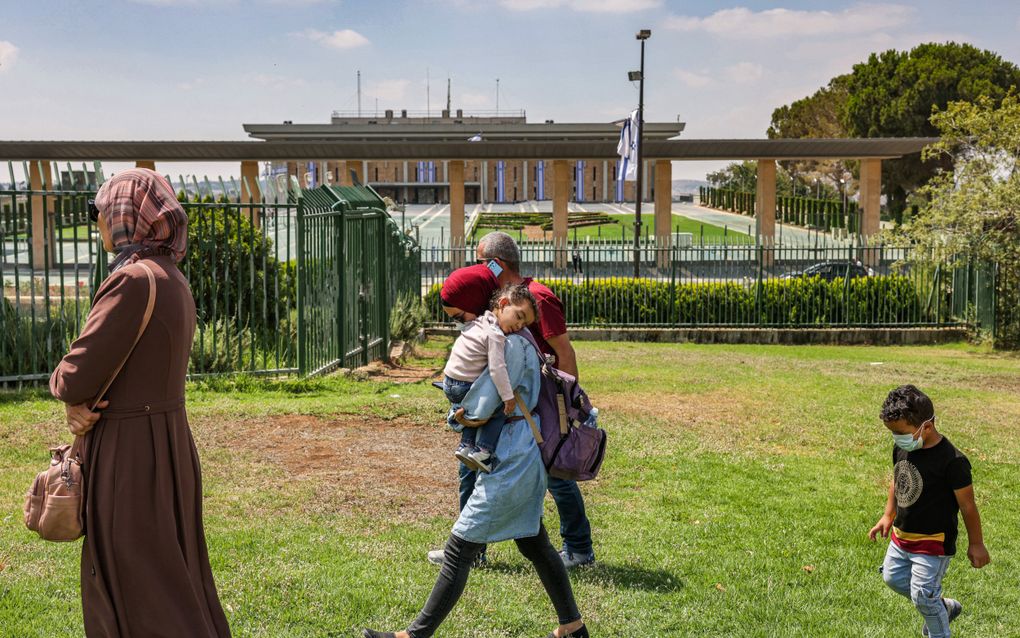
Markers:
{"x": 507, "y": 503}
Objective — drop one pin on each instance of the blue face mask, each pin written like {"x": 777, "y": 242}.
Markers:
{"x": 907, "y": 442}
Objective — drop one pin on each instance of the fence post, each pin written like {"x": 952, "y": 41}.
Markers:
{"x": 384, "y": 295}
{"x": 301, "y": 277}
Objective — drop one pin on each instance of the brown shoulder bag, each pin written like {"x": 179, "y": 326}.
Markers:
{"x": 55, "y": 504}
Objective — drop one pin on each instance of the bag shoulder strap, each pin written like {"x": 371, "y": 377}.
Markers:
{"x": 527, "y": 415}
{"x": 141, "y": 329}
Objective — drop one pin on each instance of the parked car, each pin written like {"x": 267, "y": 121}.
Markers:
{"x": 829, "y": 270}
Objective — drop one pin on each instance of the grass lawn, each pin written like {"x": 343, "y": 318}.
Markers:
{"x": 624, "y": 229}
{"x": 740, "y": 484}
{"x": 79, "y": 232}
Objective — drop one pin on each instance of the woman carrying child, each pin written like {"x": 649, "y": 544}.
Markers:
{"x": 505, "y": 504}
{"x": 480, "y": 345}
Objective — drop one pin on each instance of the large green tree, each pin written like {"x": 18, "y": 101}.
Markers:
{"x": 973, "y": 208}
{"x": 819, "y": 115}
{"x": 893, "y": 94}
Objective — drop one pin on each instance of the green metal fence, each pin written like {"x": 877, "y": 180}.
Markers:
{"x": 245, "y": 264}
{"x": 716, "y": 284}
{"x": 355, "y": 264}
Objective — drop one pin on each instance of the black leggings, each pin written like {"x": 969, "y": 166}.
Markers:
{"x": 453, "y": 575}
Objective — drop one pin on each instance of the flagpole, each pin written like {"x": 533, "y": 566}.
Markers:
{"x": 642, "y": 35}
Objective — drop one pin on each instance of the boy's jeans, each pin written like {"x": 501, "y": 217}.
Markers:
{"x": 487, "y": 435}
{"x": 919, "y": 578}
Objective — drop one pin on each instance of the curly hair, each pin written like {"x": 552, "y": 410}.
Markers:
{"x": 908, "y": 403}
{"x": 515, "y": 293}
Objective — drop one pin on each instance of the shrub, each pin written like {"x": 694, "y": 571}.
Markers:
{"x": 407, "y": 317}
{"x": 881, "y": 300}
{"x": 234, "y": 272}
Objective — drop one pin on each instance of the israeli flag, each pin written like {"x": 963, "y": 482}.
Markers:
{"x": 627, "y": 149}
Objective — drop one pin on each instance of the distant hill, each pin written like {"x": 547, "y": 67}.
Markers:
{"x": 687, "y": 186}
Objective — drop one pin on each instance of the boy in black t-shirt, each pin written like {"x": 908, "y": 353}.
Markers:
{"x": 931, "y": 483}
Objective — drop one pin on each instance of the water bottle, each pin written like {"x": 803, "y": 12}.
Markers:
{"x": 592, "y": 420}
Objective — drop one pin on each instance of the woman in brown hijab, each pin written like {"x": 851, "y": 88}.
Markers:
{"x": 144, "y": 565}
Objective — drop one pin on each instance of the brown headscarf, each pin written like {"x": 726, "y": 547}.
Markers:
{"x": 141, "y": 210}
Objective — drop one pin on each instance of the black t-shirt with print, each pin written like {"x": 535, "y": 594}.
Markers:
{"x": 925, "y": 503}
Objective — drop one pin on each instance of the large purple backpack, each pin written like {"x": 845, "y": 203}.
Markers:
{"x": 570, "y": 450}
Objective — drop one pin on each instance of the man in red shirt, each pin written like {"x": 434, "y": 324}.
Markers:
{"x": 465, "y": 295}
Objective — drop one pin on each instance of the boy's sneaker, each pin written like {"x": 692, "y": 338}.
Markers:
{"x": 464, "y": 455}
{"x": 570, "y": 559}
{"x": 953, "y": 607}
{"x": 483, "y": 460}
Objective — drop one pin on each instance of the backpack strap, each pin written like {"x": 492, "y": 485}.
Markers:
{"x": 527, "y": 415}
{"x": 561, "y": 406}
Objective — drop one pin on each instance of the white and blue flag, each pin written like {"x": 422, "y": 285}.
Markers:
{"x": 627, "y": 149}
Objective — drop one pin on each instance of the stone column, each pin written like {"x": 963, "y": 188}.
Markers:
{"x": 871, "y": 207}
{"x": 149, "y": 164}
{"x": 663, "y": 211}
{"x": 251, "y": 191}
{"x": 524, "y": 182}
{"x": 40, "y": 177}
{"x": 561, "y": 201}
{"x": 765, "y": 207}
{"x": 483, "y": 182}
{"x": 605, "y": 181}
{"x": 456, "y": 174}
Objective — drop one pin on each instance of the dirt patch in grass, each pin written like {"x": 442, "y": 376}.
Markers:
{"x": 354, "y": 465}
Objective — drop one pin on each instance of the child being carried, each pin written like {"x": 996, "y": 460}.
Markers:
{"x": 480, "y": 345}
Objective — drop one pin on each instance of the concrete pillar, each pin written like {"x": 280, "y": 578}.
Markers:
{"x": 456, "y": 173}
{"x": 251, "y": 191}
{"x": 605, "y": 181}
{"x": 149, "y": 164}
{"x": 663, "y": 211}
{"x": 363, "y": 175}
{"x": 871, "y": 207}
{"x": 765, "y": 207}
{"x": 561, "y": 201}
{"x": 524, "y": 183}
{"x": 40, "y": 177}
{"x": 483, "y": 182}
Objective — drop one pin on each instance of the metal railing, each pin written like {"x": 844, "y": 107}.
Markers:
{"x": 719, "y": 284}
{"x": 355, "y": 263}
{"x": 245, "y": 262}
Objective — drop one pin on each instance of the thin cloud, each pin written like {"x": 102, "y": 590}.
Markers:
{"x": 741, "y": 22}
{"x": 388, "y": 90}
{"x": 585, "y": 6}
{"x": 341, "y": 39}
{"x": 692, "y": 79}
{"x": 8, "y": 55}
{"x": 744, "y": 72}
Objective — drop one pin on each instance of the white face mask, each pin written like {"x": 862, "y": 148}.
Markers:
{"x": 908, "y": 442}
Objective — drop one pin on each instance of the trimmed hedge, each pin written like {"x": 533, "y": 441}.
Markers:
{"x": 814, "y": 302}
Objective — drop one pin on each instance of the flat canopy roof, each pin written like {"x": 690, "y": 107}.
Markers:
{"x": 686, "y": 149}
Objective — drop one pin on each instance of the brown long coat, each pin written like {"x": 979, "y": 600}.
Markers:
{"x": 144, "y": 565}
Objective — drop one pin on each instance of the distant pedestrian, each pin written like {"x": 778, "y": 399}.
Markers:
{"x": 576, "y": 258}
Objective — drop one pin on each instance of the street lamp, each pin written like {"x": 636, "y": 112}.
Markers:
{"x": 639, "y": 76}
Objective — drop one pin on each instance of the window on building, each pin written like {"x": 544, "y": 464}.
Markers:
{"x": 376, "y": 174}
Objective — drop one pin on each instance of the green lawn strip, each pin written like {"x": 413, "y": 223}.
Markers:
{"x": 624, "y": 229}
{"x": 735, "y": 466}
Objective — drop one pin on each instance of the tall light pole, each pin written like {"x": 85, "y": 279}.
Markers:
{"x": 642, "y": 35}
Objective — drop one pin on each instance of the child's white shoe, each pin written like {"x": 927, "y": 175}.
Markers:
{"x": 463, "y": 455}
{"x": 482, "y": 459}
